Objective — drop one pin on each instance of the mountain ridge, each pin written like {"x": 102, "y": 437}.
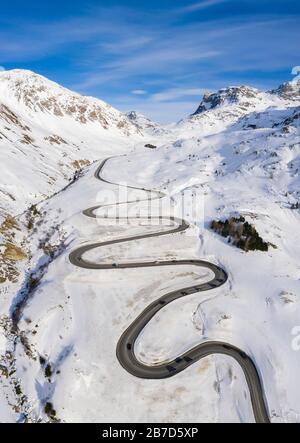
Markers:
{"x": 39, "y": 94}
{"x": 47, "y": 132}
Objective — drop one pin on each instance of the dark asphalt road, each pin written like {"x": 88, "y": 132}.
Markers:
{"x": 125, "y": 346}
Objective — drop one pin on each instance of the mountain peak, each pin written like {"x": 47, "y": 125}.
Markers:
{"x": 23, "y": 78}
{"x": 230, "y": 95}
{"x": 32, "y": 93}
{"x": 132, "y": 114}
{"x": 289, "y": 90}
{"x": 25, "y": 85}
{"x": 144, "y": 124}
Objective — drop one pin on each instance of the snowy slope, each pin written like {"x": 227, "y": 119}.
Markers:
{"x": 241, "y": 153}
{"x": 47, "y": 132}
{"x": 247, "y": 163}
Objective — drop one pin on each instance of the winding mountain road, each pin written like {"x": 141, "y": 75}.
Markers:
{"x": 125, "y": 347}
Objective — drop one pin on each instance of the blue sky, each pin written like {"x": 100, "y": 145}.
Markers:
{"x": 156, "y": 57}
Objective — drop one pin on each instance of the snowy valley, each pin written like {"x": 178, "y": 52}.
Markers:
{"x": 59, "y": 324}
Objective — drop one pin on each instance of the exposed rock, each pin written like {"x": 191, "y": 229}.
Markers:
{"x": 14, "y": 253}
{"x": 288, "y": 90}
{"x": 231, "y": 95}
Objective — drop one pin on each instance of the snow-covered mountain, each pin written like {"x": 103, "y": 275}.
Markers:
{"x": 227, "y": 106}
{"x": 288, "y": 90}
{"x": 241, "y": 95}
{"x": 240, "y": 154}
{"x": 145, "y": 125}
{"x": 47, "y": 132}
{"x": 33, "y": 94}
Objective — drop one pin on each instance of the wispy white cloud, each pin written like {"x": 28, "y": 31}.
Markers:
{"x": 203, "y": 52}
{"x": 204, "y": 4}
{"x": 139, "y": 92}
{"x": 177, "y": 93}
